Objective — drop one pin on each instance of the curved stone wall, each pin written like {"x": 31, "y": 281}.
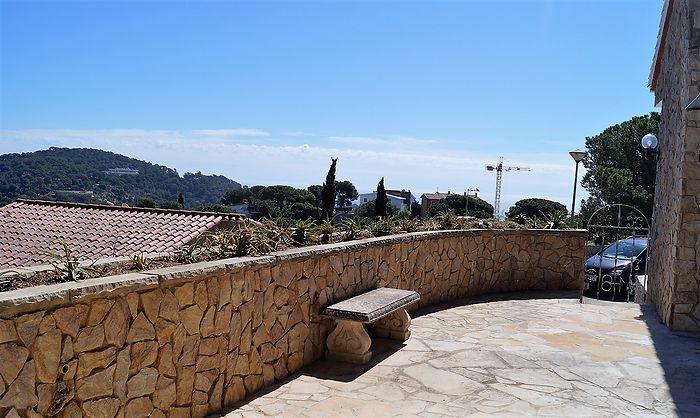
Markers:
{"x": 191, "y": 340}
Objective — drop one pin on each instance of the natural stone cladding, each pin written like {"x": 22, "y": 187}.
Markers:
{"x": 674, "y": 264}
{"x": 193, "y": 339}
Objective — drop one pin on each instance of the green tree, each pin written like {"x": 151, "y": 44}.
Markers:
{"x": 300, "y": 211}
{"x": 265, "y": 209}
{"x": 235, "y": 196}
{"x": 170, "y": 204}
{"x": 328, "y": 193}
{"x": 366, "y": 210}
{"x": 346, "y": 192}
{"x": 535, "y": 208}
{"x": 617, "y": 168}
{"x": 316, "y": 190}
{"x": 285, "y": 195}
{"x": 455, "y": 202}
{"x": 214, "y": 207}
{"x": 181, "y": 200}
{"x": 146, "y": 203}
{"x": 380, "y": 207}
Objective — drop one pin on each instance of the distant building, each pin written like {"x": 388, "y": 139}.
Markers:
{"x": 427, "y": 200}
{"x": 73, "y": 192}
{"x": 242, "y": 208}
{"x": 397, "y": 201}
{"x": 408, "y": 199}
{"x": 122, "y": 171}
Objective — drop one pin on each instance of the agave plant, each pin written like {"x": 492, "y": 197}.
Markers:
{"x": 7, "y": 278}
{"x": 383, "y": 227}
{"x": 448, "y": 220}
{"x": 555, "y": 220}
{"x": 139, "y": 262}
{"x": 408, "y": 225}
{"x": 195, "y": 251}
{"x": 276, "y": 234}
{"x": 69, "y": 266}
{"x": 429, "y": 224}
{"x": 351, "y": 229}
{"x": 221, "y": 243}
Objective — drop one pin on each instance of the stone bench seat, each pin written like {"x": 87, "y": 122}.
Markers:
{"x": 385, "y": 308}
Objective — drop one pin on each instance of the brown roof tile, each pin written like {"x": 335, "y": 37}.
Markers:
{"x": 28, "y": 228}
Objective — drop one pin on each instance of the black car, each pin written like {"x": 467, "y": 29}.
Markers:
{"x": 612, "y": 271}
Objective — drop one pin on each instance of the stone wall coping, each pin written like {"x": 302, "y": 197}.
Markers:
{"x": 40, "y": 297}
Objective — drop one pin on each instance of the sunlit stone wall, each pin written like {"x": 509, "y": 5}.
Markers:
{"x": 193, "y": 339}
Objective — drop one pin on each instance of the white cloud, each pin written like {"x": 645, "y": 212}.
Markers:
{"x": 297, "y": 134}
{"x": 375, "y": 141}
{"x": 230, "y": 132}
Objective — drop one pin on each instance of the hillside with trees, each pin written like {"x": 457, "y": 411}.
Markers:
{"x": 82, "y": 175}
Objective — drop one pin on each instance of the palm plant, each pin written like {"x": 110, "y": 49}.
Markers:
{"x": 303, "y": 232}
{"x": 325, "y": 229}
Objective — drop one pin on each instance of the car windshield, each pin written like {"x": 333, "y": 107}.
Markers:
{"x": 625, "y": 249}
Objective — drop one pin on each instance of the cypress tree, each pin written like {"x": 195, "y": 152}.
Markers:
{"x": 381, "y": 201}
{"x": 328, "y": 193}
{"x": 181, "y": 200}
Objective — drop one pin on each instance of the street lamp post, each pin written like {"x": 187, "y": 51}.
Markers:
{"x": 577, "y": 155}
{"x": 466, "y": 198}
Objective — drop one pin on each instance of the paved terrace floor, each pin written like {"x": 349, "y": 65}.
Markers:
{"x": 529, "y": 354}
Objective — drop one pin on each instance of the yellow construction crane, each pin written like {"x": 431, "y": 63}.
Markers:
{"x": 499, "y": 169}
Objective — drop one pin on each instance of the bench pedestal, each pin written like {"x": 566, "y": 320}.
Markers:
{"x": 349, "y": 342}
{"x": 394, "y": 326}
{"x": 383, "y": 307}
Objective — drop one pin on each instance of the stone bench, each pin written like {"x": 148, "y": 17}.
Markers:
{"x": 383, "y": 307}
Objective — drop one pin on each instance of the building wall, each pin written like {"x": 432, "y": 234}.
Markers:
{"x": 394, "y": 200}
{"x": 190, "y": 340}
{"x": 674, "y": 267}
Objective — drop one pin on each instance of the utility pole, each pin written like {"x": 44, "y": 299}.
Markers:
{"x": 499, "y": 169}
{"x": 466, "y": 198}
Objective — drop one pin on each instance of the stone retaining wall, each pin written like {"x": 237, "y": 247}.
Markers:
{"x": 191, "y": 340}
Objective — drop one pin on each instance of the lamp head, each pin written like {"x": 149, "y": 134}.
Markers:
{"x": 650, "y": 142}
{"x": 577, "y": 155}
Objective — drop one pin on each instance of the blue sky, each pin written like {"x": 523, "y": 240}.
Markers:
{"x": 423, "y": 93}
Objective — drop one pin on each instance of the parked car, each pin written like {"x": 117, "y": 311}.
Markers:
{"x": 612, "y": 271}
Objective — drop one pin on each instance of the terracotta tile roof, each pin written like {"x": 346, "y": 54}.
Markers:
{"x": 435, "y": 196}
{"x": 30, "y": 227}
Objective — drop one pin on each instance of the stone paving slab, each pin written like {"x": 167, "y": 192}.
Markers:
{"x": 533, "y": 354}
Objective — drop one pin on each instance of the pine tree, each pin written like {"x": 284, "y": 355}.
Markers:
{"x": 328, "y": 193}
{"x": 382, "y": 200}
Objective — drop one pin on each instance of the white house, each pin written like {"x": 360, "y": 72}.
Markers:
{"x": 397, "y": 201}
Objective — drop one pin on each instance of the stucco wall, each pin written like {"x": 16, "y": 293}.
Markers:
{"x": 674, "y": 266}
{"x": 190, "y": 340}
